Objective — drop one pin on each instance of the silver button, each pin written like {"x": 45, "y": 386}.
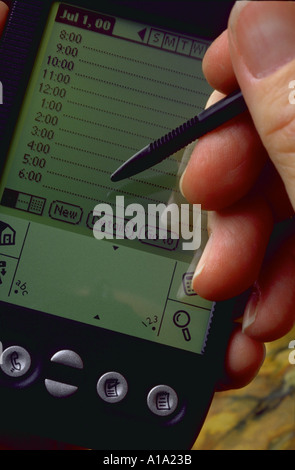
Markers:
{"x": 15, "y": 361}
{"x": 112, "y": 387}
{"x": 59, "y": 389}
{"x": 162, "y": 400}
{"x": 68, "y": 358}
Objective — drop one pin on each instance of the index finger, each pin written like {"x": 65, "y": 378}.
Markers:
{"x": 217, "y": 66}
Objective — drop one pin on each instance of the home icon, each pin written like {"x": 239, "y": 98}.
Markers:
{"x": 7, "y": 234}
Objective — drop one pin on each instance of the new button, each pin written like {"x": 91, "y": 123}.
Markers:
{"x": 66, "y": 212}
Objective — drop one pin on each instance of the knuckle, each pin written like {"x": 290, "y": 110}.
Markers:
{"x": 279, "y": 140}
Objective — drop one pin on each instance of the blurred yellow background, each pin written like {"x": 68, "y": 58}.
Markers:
{"x": 260, "y": 416}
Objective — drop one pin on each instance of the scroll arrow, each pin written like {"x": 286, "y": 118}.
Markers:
{"x": 141, "y": 34}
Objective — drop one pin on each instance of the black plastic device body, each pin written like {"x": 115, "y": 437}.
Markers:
{"x": 82, "y": 418}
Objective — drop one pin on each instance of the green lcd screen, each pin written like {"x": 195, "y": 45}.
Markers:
{"x": 101, "y": 88}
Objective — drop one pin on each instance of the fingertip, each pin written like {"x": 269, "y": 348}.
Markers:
{"x": 269, "y": 313}
{"x": 217, "y": 65}
{"x": 244, "y": 359}
{"x": 4, "y": 7}
{"x": 4, "y": 10}
{"x": 234, "y": 253}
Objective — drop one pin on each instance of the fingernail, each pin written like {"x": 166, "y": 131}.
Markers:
{"x": 199, "y": 269}
{"x": 251, "y": 308}
{"x": 180, "y": 183}
{"x": 203, "y": 260}
{"x": 264, "y": 34}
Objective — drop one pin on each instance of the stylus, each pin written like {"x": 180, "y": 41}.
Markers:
{"x": 208, "y": 120}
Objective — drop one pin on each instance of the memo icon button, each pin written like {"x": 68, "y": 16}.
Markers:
{"x": 162, "y": 400}
{"x": 112, "y": 387}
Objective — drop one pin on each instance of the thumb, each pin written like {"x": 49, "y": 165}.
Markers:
{"x": 262, "y": 47}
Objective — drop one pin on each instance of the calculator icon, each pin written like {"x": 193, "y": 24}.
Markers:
{"x": 187, "y": 284}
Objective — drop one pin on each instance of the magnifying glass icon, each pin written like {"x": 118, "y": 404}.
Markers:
{"x": 182, "y": 319}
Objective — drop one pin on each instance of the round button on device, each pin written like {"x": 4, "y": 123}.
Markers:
{"x": 162, "y": 400}
{"x": 112, "y": 387}
{"x": 15, "y": 361}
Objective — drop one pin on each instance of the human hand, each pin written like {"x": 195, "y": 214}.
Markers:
{"x": 244, "y": 175}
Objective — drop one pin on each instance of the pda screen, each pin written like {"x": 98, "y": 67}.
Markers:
{"x": 102, "y": 87}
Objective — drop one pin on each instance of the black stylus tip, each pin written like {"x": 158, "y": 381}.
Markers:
{"x": 115, "y": 176}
